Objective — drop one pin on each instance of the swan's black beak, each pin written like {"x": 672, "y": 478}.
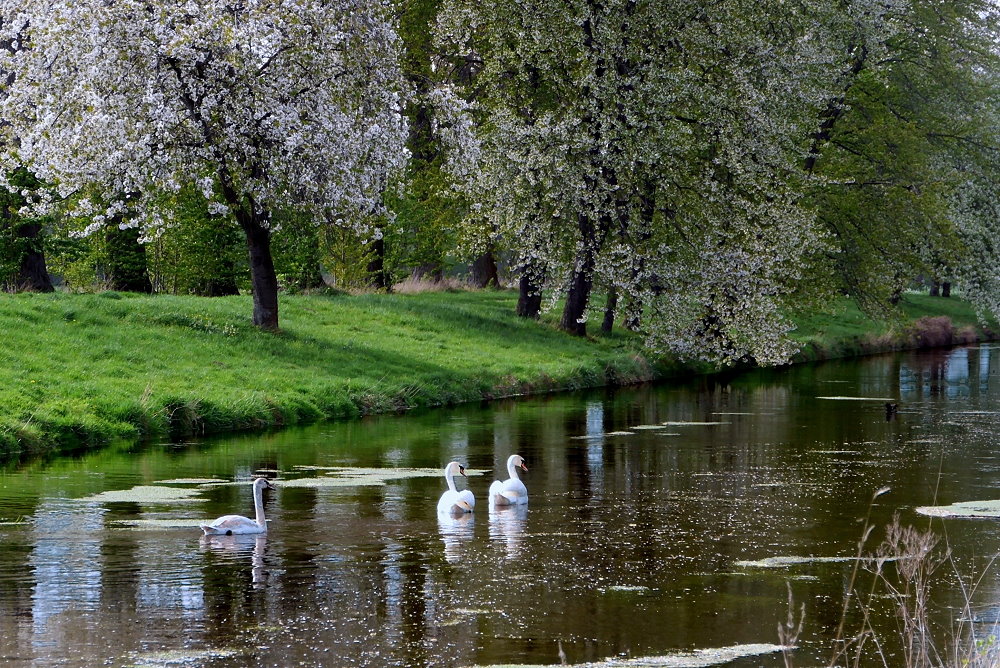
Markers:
{"x": 461, "y": 469}
{"x": 268, "y": 485}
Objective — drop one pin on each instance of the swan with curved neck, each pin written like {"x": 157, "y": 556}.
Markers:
{"x": 454, "y": 501}
{"x": 510, "y": 492}
{"x": 230, "y": 525}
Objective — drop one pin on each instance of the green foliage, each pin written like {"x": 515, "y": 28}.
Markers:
{"x": 297, "y": 253}
{"x": 76, "y": 260}
{"x": 14, "y": 246}
{"x": 200, "y": 254}
{"x": 425, "y": 235}
{"x": 910, "y": 130}
{"x": 345, "y": 257}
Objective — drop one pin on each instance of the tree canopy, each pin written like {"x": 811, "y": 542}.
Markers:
{"x": 711, "y": 167}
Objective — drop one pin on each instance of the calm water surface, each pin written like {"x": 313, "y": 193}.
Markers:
{"x": 632, "y": 544}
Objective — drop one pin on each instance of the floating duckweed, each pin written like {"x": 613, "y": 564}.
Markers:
{"x": 384, "y": 473}
{"x": 964, "y": 509}
{"x": 699, "y": 658}
{"x": 346, "y": 476}
{"x": 693, "y": 424}
{"x": 146, "y": 494}
{"x": 858, "y": 398}
{"x": 609, "y": 433}
{"x": 192, "y": 481}
{"x": 627, "y": 588}
{"x": 182, "y": 523}
{"x": 835, "y": 452}
{"x": 182, "y": 657}
{"x": 782, "y": 562}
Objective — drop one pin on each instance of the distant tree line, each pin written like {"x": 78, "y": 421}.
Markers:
{"x": 707, "y": 168}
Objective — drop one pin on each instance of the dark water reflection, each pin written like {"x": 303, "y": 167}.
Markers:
{"x": 630, "y": 546}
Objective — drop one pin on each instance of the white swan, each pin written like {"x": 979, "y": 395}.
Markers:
{"x": 512, "y": 491}
{"x": 453, "y": 501}
{"x": 229, "y": 525}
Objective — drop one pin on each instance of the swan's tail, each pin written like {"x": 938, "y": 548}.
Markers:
{"x": 497, "y": 497}
{"x": 212, "y": 531}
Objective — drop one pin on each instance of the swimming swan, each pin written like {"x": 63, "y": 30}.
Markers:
{"x": 453, "y": 501}
{"x": 229, "y": 525}
{"x": 512, "y": 491}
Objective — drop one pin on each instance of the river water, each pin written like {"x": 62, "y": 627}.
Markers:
{"x": 652, "y": 511}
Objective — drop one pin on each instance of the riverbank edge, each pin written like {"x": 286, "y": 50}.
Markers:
{"x": 924, "y": 333}
{"x": 195, "y": 416}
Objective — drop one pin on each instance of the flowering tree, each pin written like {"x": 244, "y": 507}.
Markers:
{"x": 268, "y": 107}
{"x": 654, "y": 148}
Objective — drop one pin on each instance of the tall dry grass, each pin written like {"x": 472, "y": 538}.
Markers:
{"x": 889, "y": 616}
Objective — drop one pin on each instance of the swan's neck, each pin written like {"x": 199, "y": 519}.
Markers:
{"x": 451, "y": 480}
{"x": 258, "y": 504}
{"x": 511, "y": 471}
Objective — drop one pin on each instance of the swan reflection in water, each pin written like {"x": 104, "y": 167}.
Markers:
{"x": 455, "y": 531}
{"x": 507, "y": 524}
{"x": 240, "y": 545}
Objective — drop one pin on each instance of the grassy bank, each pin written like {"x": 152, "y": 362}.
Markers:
{"x": 84, "y": 369}
{"x": 87, "y": 368}
{"x": 924, "y": 322}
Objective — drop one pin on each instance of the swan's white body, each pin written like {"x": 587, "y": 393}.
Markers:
{"x": 231, "y": 525}
{"x": 454, "y": 501}
{"x": 510, "y": 492}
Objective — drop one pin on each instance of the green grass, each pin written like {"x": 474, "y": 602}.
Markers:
{"x": 89, "y": 368}
{"x": 77, "y": 370}
{"x": 844, "y": 331}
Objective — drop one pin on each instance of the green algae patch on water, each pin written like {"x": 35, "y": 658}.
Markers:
{"x": 183, "y": 657}
{"x": 179, "y": 523}
{"x": 147, "y": 494}
{"x": 348, "y": 476}
{"x": 607, "y": 433}
{"x": 385, "y": 473}
{"x": 785, "y": 562}
{"x": 681, "y": 423}
{"x": 858, "y": 398}
{"x": 699, "y": 658}
{"x": 963, "y": 509}
{"x": 192, "y": 481}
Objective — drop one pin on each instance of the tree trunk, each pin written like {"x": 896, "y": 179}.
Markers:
{"x": 529, "y": 300}
{"x": 935, "y": 289}
{"x": 127, "y": 270}
{"x": 263, "y": 280}
{"x": 484, "y": 271}
{"x": 428, "y": 270}
{"x": 946, "y": 289}
{"x": 577, "y": 299}
{"x": 376, "y": 266}
{"x": 582, "y": 280}
{"x": 32, "y": 276}
{"x": 609, "y": 310}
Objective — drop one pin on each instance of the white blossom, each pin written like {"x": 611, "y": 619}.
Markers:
{"x": 263, "y": 105}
